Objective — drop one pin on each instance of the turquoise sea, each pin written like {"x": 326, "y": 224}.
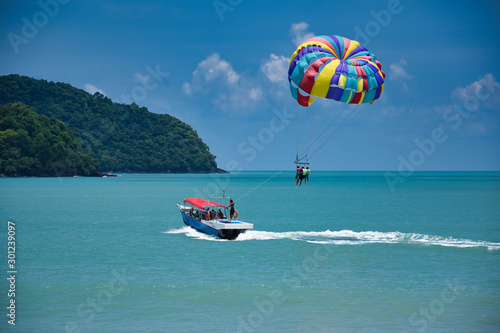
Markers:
{"x": 346, "y": 253}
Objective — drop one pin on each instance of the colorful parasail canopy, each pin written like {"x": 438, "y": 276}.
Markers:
{"x": 202, "y": 203}
{"x": 337, "y": 68}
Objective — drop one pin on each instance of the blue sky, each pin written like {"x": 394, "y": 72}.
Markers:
{"x": 221, "y": 66}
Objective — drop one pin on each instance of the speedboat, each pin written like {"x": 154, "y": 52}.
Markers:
{"x": 211, "y": 217}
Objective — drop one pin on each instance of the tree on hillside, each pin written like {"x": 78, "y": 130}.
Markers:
{"x": 37, "y": 145}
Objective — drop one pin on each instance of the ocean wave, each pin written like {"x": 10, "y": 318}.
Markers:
{"x": 346, "y": 237}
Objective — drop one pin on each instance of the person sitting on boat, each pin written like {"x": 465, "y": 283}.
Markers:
{"x": 220, "y": 214}
{"x": 213, "y": 214}
{"x": 231, "y": 206}
{"x": 207, "y": 214}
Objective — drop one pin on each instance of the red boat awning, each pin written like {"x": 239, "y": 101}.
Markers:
{"x": 202, "y": 203}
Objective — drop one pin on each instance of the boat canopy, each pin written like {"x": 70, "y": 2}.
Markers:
{"x": 202, "y": 203}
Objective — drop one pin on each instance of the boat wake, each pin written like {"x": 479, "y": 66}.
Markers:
{"x": 188, "y": 231}
{"x": 347, "y": 237}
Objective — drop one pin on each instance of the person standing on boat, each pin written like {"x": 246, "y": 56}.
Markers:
{"x": 231, "y": 206}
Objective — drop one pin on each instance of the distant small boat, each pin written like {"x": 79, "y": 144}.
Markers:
{"x": 211, "y": 218}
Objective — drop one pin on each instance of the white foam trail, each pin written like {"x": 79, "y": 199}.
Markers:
{"x": 182, "y": 230}
{"x": 347, "y": 237}
{"x": 190, "y": 232}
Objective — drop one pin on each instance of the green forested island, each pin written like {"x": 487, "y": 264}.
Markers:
{"x": 105, "y": 136}
{"x": 37, "y": 145}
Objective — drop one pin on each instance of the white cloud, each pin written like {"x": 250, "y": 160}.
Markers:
{"x": 186, "y": 88}
{"x": 484, "y": 92}
{"x": 91, "y": 89}
{"x": 255, "y": 94}
{"x": 239, "y": 99}
{"x": 470, "y": 112}
{"x": 213, "y": 68}
{"x": 398, "y": 73}
{"x": 275, "y": 68}
{"x": 140, "y": 78}
{"x": 299, "y": 33}
{"x": 216, "y": 76}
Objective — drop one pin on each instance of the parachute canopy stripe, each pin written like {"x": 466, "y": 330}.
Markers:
{"x": 337, "y": 68}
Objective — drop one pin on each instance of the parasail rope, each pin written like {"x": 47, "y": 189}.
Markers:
{"x": 325, "y": 129}
{"x": 313, "y": 124}
{"x": 298, "y": 130}
{"x": 256, "y": 187}
{"x": 337, "y": 130}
